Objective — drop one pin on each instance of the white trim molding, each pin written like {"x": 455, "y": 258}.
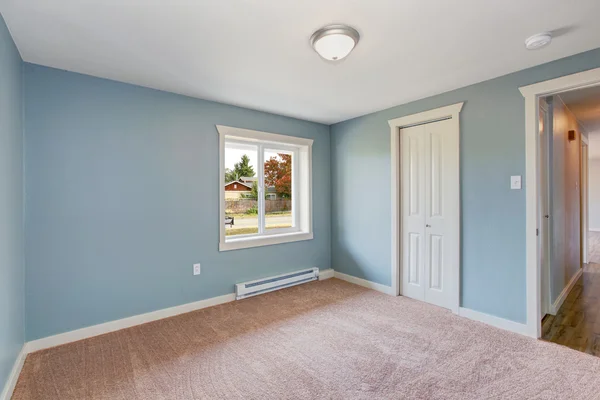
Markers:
{"x": 267, "y": 240}
{"x": 11, "y": 383}
{"x": 364, "y": 283}
{"x": 450, "y": 111}
{"x": 565, "y": 292}
{"x": 326, "y": 274}
{"x": 532, "y": 93}
{"x": 258, "y": 136}
{"x": 584, "y": 139}
{"x": 492, "y": 320}
{"x": 112, "y": 326}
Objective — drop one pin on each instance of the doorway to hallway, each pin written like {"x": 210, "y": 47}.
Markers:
{"x": 569, "y": 200}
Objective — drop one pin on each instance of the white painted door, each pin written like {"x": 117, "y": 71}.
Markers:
{"x": 430, "y": 212}
{"x": 584, "y": 202}
{"x": 544, "y": 234}
{"x": 412, "y": 146}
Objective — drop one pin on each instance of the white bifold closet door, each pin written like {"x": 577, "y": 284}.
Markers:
{"x": 429, "y": 212}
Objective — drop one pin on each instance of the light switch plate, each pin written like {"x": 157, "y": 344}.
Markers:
{"x": 515, "y": 182}
{"x": 196, "y": 269}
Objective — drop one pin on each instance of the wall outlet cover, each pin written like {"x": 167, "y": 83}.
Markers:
{"x": 197, "y": 269}
{"x": 515, "y": 182}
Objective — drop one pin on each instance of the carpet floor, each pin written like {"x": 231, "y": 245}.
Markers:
{"x": 322, "y": 340}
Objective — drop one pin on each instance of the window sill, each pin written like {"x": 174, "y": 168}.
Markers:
{"x": 246, "y": 243}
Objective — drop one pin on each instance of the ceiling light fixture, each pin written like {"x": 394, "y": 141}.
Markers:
{"x": 334, "y": 42}
{"x": 538, "y": 41}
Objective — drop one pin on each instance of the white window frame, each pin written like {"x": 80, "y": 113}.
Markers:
{"x": 301, "y": 150}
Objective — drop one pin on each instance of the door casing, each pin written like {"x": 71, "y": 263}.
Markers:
{"x": 584, "y": 199}
{"x": 532, "y": 93}
{"x": 451, "y": 112}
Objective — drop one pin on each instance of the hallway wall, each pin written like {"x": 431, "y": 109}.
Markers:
{"x": 566, "y": 207}
{"x": 594, "y": 194}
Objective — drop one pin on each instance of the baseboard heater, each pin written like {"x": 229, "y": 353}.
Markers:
{"x": 265, "y": 285}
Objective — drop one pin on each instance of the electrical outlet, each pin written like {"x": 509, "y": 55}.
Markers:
{"x": 196, "y": 269}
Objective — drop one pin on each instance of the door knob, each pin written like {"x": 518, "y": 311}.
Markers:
{"x": 427, "y": 226}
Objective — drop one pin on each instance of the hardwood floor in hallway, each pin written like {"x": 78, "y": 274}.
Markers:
{"x": 577, "y": 323}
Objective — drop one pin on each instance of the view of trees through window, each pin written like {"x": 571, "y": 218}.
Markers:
{"x": 240, "y": 170}
{"x": 278, "y": 190}
{"x": 241, "y": 190}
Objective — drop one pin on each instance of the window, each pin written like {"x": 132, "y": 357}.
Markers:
{"x": 265, "y": 188}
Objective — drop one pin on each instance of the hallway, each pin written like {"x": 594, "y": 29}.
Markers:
{"x": 594, "y": 247}
{"x": 577, "y": 323}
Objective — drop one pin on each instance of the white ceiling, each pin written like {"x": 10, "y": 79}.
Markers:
{"x": 256, "y": 53}
{"x": 585, "y": 105}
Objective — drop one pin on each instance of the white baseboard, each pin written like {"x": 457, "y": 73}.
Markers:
{"x": 9, "y": 387}
{"x": 363, "y": 282}
{"x": 95, "y": 330}
{"x": 497, "y": 322}
{"x": 107, "y": 327}
{"x": 563, "y": 295}
{"x": 325, "y": 274}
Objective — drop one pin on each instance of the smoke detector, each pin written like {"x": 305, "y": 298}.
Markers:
{"x": 538, "y": 41}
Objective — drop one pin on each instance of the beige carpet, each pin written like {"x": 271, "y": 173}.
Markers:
{"x": 323, "y": 340}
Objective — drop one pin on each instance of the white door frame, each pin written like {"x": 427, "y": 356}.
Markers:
{"x": 585, "y": 209}
{"x": 451, "y": 111}
{"x": 533, "y": 268}
{"x": 545, "y": 232}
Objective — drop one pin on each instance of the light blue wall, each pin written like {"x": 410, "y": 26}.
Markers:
{"x": 493, "y": 216}
{"x": 122, "y": 198}
{"x": 12, "y": 266}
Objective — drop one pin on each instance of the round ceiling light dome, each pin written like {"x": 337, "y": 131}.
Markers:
{"x": 538, "y": 41}
{"x": 334, "y": 42}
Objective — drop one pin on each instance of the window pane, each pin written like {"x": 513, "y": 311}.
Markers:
{"x": 241, "y": 198}
{"x": 278, "y": 189}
